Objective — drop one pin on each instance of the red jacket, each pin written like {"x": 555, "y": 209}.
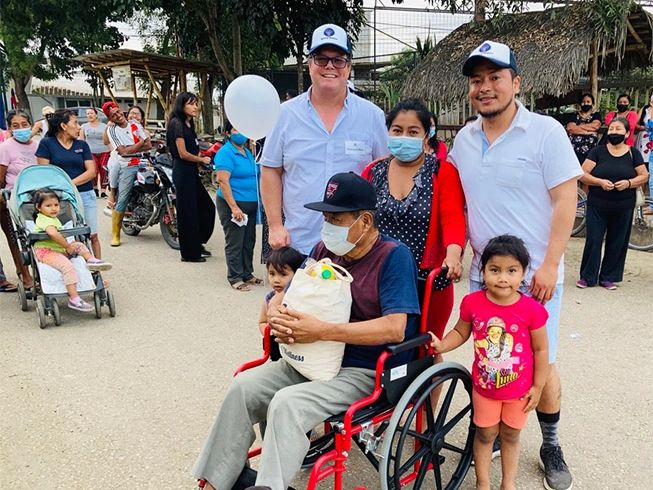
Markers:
{"x": 447, "y": 223}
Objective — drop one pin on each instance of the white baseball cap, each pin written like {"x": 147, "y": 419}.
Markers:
{"x": 494, "y": 52}
{"x": 330, "y": 35}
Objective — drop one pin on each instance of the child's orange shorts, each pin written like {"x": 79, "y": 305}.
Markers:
{"x": 489, "y": 412}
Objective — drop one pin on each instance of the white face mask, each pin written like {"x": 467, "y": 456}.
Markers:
{"x": 335, "y": 238}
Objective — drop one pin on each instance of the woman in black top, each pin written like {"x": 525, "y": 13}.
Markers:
{"x": 613, "y": 172}
{"x": 583, "y": 127}
{"x": 195, "y": 210}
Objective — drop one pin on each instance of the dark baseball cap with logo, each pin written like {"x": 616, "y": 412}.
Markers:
{"x": 496, "y": 53}
{"x": 346, "y": 192}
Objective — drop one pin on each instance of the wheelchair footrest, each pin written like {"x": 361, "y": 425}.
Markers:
{"x": 247, "y": 479}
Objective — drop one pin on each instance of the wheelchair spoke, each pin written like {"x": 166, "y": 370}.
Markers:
{"x": 457, "y": 418}
{"x": 446, "y": 403}
{"x": 437, "y": 473}
{"x": 453, "y": 448}
{"x": 421, "y": 437}
{"x": 413, "y": 459}
{"x": 429, "y": 413}
{"x": 423, "y": 469}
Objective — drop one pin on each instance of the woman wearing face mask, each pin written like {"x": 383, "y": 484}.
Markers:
{"x": 436, "y": 147}
{"x": 583, "y": 127}
{"x": 16, "y": 153}
{"x": 612, "y": 172}
{"x": 63, "y": 149}
{"x": 624, "y": 111}
{"x": 420, "y": 199}
{"x": 237, "y": 200}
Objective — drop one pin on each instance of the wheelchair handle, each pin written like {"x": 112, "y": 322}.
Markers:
{"x": 418, "y": 341}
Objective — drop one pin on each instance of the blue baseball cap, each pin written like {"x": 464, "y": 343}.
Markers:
{"x": 496, "y": 53}
{"x": 330, "y": 35}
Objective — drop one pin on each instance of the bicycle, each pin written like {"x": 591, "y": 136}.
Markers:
{"x": 581, "y": 208}
{"x": 641, "y": 233}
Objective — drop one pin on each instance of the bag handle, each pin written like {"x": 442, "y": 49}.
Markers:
{"x": 343, "y": 274}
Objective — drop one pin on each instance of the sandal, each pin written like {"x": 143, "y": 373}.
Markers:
{"x": 254, "y": 281}
{"x": 241, "y": 286}
{"x": 8, "y": 287}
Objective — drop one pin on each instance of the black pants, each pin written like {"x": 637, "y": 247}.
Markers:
{"x": 613, "y": 225}
{"x": 239, "y": 241}
{"x": 195, "y": 210}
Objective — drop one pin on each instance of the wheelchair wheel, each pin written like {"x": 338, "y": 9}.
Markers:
{"x": 111, "y": 303}
{"x": 442, "y": 443}
{"x": 97, "y": 302}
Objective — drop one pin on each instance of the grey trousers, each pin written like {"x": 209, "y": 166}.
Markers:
{"x": 290, "y": 405}
{"x": 239, "y": 241}
{"x": 3, "y": 278}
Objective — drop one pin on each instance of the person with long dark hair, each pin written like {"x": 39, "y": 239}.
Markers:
{"x": 195, "y": 210}
{"x": 63, "y": 148}
{"x": 612, "y": 172}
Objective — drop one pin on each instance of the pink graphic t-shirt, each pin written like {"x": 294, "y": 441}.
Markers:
{"x": 16, "y": 156}
{"x": 503, "y": 356}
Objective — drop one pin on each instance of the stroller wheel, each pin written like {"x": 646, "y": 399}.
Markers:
{"x": 40, "y": 309}
{"x": 22, "y": 296}
{"x": 55, "y": 312}
{"x": 97, "y": 300}
{"x": 111, "y": 303}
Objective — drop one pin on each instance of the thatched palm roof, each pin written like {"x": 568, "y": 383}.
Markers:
{"x": 552, "y": 48}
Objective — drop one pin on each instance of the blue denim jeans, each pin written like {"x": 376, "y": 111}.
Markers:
{"x": 90, "y": 209}
{"x": 125, "y": 183}
{"x": 553, "y": 308}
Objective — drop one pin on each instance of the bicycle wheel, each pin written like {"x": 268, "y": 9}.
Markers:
{"x": 581, "y": 208}
{"x": 641, "y": 233}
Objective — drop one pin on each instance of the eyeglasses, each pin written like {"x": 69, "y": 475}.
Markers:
{"x": 336, "y": 61}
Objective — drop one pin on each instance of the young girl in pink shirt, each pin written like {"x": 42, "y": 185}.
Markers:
{"x": 510, "y": 355}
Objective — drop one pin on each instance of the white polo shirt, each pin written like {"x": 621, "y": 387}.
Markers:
{"x": 507, "y": 183}
{"x": 309, "y": 155}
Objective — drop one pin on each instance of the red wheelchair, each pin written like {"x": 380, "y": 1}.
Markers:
{"x": 415, "y": 428}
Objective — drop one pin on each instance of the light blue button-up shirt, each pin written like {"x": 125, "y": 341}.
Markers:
{"x": 309, "y": 155}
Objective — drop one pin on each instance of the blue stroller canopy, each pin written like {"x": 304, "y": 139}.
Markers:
{"x": 44, "y": 176}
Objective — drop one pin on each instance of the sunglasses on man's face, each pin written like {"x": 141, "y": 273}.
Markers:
{"x": 336, "y": 61}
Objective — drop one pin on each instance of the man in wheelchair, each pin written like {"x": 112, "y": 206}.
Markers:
{"x": 385, "y": 310}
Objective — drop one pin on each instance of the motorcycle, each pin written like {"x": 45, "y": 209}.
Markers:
{"x": 153, "y": 199}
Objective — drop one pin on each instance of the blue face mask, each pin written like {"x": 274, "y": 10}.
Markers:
{"x": 405, "y": 148}
{"x": 238, "y": 139}
{"x": 22, "y": 135}
{"x": 432, "y": 132}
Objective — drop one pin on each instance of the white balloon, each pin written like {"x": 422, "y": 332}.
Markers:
{"x": 252, "y": 106}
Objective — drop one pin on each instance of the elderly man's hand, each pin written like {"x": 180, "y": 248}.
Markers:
{"x": 292, "y": 326}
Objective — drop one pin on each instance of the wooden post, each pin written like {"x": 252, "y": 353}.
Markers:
{"x": 106, "y": 84}
{"x": 134, "y": 89}
{"x": 149, "y": 102}
{"x": 155, "y": 87}
{"x": 182, "y": 80}
{"x": 594, "y": 71}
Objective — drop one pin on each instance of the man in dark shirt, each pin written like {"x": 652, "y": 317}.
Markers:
{"x": 384, "y": 310}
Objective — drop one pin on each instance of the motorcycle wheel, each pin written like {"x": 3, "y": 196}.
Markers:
{"x": 169, "y": 231}
{"x": 129, "y": 230}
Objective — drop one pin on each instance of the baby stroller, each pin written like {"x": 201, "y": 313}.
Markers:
{"x": 48, "y": 285}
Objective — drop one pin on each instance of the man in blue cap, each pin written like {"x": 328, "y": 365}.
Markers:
{"x": 319, "y": 133}
{"x": 385, "y": 309}
{"x": 519, "y": 173}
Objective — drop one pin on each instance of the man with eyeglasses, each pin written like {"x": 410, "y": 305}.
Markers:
{"x": 324, "y": 131}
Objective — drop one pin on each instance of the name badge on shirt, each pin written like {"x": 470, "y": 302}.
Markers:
{"x": 356, "y": 147}
{"x": 79, "y": 150}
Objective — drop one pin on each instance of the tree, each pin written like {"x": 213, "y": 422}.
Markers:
{"x": 297, "y": 19}
{"x": 41, "y": 37}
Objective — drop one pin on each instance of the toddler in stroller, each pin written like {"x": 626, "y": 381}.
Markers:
{"x": 56, "y": 250}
